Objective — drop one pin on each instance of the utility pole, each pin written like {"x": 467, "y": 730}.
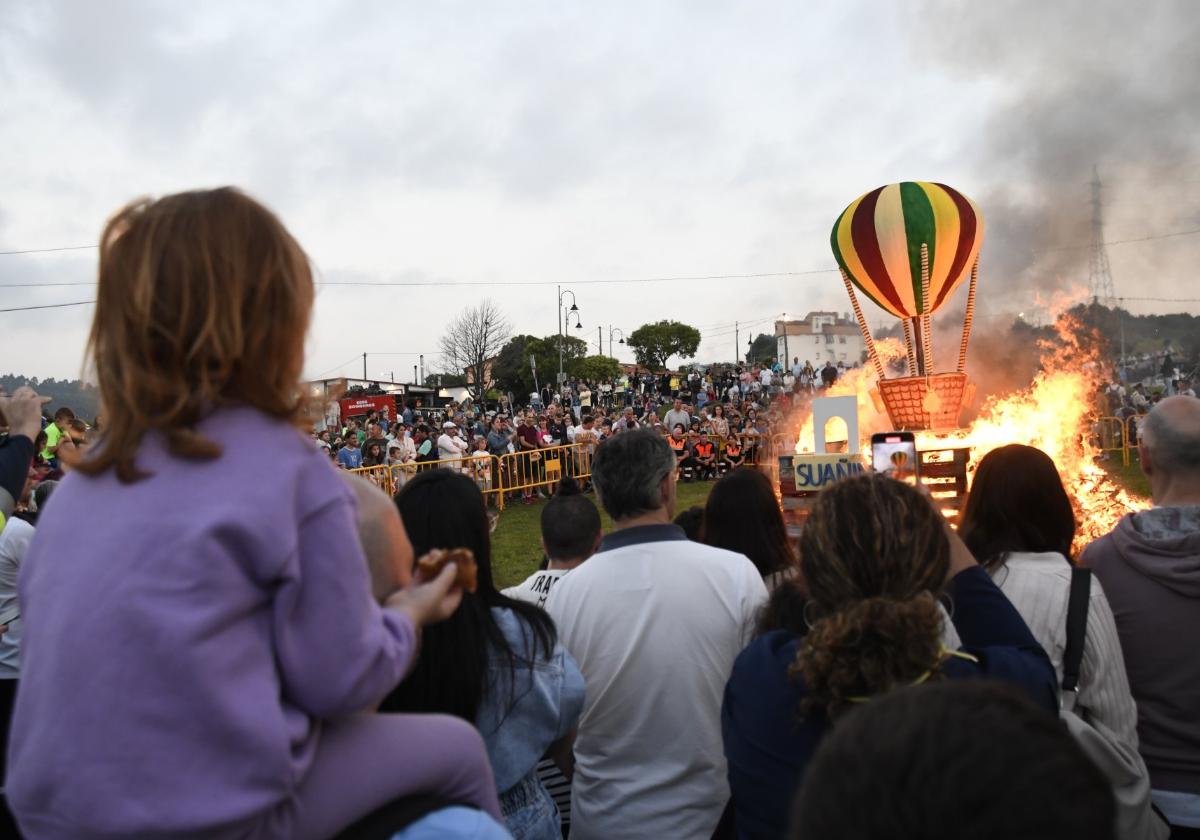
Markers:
{"x": 1099, "y": 274}
{"x": 599, "y": 340}
{"x": 737, "y": 341}
{"x": 364, "y": 367}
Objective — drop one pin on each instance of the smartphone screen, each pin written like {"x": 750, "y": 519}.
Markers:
{"x": 895, "y": 454}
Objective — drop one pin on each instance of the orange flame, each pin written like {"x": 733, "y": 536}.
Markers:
{"x": 1054, "y": 413}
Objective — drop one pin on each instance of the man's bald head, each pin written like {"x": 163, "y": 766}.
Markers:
{"x": 384, "y": 540}
{"x": 1171, "y": 434}
{"x": 1170, "y": 451}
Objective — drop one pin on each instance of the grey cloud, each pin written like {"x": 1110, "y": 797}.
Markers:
{"x": 1081, "y": 82}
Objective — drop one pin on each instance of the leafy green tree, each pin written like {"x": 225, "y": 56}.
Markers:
{"x": 511, "y": 368}
{"x": 654, "y": 344}
{"x": 762, "y": 349}
{"x": 595, "y": 368}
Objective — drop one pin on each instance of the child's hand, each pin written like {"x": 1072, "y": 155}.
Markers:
{"x": 428, "y": 602}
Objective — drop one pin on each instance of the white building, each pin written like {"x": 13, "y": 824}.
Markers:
{"x": 820, "y": 337}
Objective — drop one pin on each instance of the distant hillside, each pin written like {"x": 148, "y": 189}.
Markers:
{"x": 83, "y": 399}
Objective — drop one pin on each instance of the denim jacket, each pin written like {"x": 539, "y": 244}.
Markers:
{"x": 546, "y": 702}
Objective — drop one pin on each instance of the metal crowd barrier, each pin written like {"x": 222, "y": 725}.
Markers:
{"x": 482, "y": 470}
{"x": 524, "y": 472}
{"x": 1112, "y": 435}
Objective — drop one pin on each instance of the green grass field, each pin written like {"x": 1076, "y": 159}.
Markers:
{"x": 515, "y": 549}
{"x": 516, "y": 553}
{"x": 1130, "y": 477}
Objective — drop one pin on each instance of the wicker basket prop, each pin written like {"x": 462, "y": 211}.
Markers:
{"x": 926, "y": 402}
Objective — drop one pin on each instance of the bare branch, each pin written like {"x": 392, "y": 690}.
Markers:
{"x": 470, "y": 341}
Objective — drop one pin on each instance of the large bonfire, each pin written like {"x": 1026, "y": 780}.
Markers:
{"x": 1055, "y": 413}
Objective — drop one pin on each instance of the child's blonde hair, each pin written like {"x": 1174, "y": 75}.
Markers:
{"x": 203, "y": 300}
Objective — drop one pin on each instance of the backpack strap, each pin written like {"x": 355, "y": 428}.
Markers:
{"x": 1077, "y": 610}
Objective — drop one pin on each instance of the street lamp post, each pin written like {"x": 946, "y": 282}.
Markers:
{"x": 611, "y": 330}
{"x": 564, "y": 316}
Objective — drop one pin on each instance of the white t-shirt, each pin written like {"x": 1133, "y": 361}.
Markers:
{"x": 764, "y": 376}
{"x": 14, "y": 542}
{"x": 536, "y": 588}
{"x": 655, "y": 622}
{"x": 451, "y": 447}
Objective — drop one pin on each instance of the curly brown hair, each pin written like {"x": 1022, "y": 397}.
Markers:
{"x": 874, "y": 557}
{"x": 203, "y": 300}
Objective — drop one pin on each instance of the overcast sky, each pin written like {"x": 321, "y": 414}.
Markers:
{"x": 588, "y": 142}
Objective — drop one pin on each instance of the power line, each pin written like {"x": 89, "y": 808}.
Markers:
{"x": 47, "y": 306}
{"x": 468, "y": 283}
{"x": 48, "y": 250}
{"x": 1161, "y": 300}
{"x": 338, "y": 367}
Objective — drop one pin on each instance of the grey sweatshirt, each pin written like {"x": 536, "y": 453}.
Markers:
{"x": 1150, "y": 569}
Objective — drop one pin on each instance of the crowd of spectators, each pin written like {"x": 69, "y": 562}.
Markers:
{"x": 714, "y": 420}
{"x": 193, "y": 651}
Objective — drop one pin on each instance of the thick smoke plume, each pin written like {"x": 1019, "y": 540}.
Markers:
{"x": 1107, "y": 83}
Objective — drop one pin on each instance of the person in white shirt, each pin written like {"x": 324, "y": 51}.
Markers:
{"x": 570, "y": 526}
{"x": 764, "y": 377}
{"x": 450, "y": 445}
{"x": 14, "y": 543}
{"x": 655, "y": 622}
{"x": 1020, "y": 526}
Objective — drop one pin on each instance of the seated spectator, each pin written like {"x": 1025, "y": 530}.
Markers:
{"x": 733, "y": 456}
{"x": 957, "y": 759}
{"x": 1150, "y": 569}
{"x": 249, "y": 643}
{"x": 496, "y": 662}
{"x": 742, "y": 515}
{"x": 704, "y": 452}
{"x": 677, "y": 440}
{"x": 874, "y": 556}
{"x": 655, "y": 622}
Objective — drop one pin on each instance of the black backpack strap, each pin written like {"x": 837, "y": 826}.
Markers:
{"x": 1077, "y": 610}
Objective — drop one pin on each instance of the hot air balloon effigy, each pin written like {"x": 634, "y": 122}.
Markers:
{"x": 907, "y": 247}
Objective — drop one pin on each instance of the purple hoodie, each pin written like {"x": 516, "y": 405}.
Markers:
{"x": 1150, "y": 569}
{"x": 184, "y": 636}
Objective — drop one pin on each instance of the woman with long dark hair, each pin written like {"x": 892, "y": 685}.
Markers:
{"x": 743, "y": 515}
{"x": 720, "y": 423}
{"x": 1019, "y": 523}
{"x": 875, "y": 556}
{"x": 496, "y": 662}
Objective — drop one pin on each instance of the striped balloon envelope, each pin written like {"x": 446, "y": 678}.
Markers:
{"x": 877, "y": 242}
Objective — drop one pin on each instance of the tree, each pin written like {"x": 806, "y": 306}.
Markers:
{"x": 511, "y": 367}
{"x": 573, "y": 349}
{"x": 512, "y": 370}
{"x": 654, "y": 344}
{"x": 446, "y": 380}
{"x": 595, "y": 368}
{"x": 762, "y": 349}
{"x": 470, "y": 344}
